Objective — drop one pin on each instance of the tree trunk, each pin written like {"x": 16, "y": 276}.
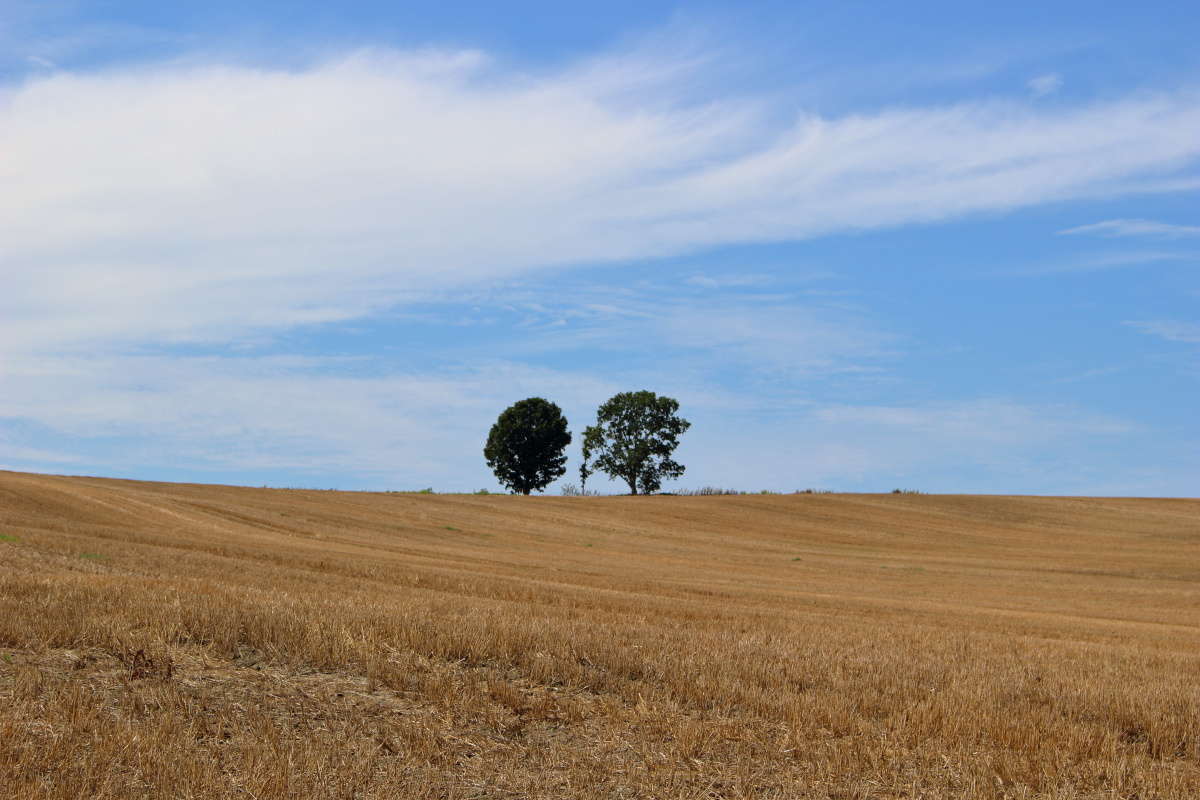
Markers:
{"x": 632, "y": 485}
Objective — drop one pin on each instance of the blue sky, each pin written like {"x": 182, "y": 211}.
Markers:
{"x": 866, "y": 246}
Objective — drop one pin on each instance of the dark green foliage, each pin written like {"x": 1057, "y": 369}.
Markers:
{"x": 525, "y": 446}
{"x": 633, "y": 439}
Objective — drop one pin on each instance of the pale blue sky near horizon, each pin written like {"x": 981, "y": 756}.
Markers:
{"x": 867, "y": 247}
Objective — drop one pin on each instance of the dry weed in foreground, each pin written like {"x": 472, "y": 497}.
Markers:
{"x": 173, "y": 641}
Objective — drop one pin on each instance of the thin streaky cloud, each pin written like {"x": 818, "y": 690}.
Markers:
{"x": 1098, "y": 372}
{"x": 214, "y": 265}
{"x": 1044, "y": 85}
{"x": 1134, "y": 227}
{"x": 1096, "y": 263}
{"x": 207, "y": 203}
{"x": 1171, "y": 330}
{"x": 726, "y": 281}
{"x": 227, "y": 414}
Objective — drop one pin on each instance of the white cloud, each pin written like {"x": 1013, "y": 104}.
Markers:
{"x": 978, "y": 422}
{"x": 751, "y": 333}
{"x": 1170, "y": 330}
{"x": 1099, "y": 262}
{"x": 40, "y": 456}
{"x": 379, "y": 422}
{"x": 172, "y": 204}
{"x": 304, "y": 416}
{"x": 322, "y": 418}
{"x": 778, "y": 336}
{"x": 974, "y": 445}
{"x": 726, "y": 281}
{"x": 1044, "y": 85}
{"x": 201, "y": 203}
{"x": 1135, "y": 227}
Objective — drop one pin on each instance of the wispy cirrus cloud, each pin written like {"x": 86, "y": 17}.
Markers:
{"x": 980, "y": 421}
{"x": 307, "y": 416}
{"x": 191, "y": 203}
{"x": 985, "y": 443}
{"x": 1171, "y": 330}
{"x": 1135, "y": 227}
{"x": 726, "y": 281}
{"x": 207, "y": 202}
{"x": 1044, "y": 85}
{"x": 1098, "y": 262}
{"x": 721, "y": 324}
{"x": 323, "y": 422}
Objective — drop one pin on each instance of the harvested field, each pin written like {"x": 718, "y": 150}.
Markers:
{"x": 186, "y": 641}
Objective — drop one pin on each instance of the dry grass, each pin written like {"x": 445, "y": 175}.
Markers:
{"x": 184, "y": 641}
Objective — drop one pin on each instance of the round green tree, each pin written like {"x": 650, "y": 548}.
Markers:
{"x": 633, "y": 439}
{"x": 525, "y": 446}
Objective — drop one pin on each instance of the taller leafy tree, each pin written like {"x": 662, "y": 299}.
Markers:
{"x": 525, "y": 446}
{"x": 633, "y": 439}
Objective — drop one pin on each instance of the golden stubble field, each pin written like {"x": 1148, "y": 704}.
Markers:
{"x": 184, "y": 641}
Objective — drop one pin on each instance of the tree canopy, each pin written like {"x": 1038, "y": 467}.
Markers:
{"x": 633, "y": 439}
{"x": 525, "y": 446}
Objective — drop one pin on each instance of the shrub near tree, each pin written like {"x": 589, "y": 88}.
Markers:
{"x": 633, "y": 439}
{"x": 525, "y": 446}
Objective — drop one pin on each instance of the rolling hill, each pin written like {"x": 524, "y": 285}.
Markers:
{"x": 170, "y": 640}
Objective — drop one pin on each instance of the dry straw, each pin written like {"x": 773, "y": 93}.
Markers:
{"x": 243, "y": 643}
